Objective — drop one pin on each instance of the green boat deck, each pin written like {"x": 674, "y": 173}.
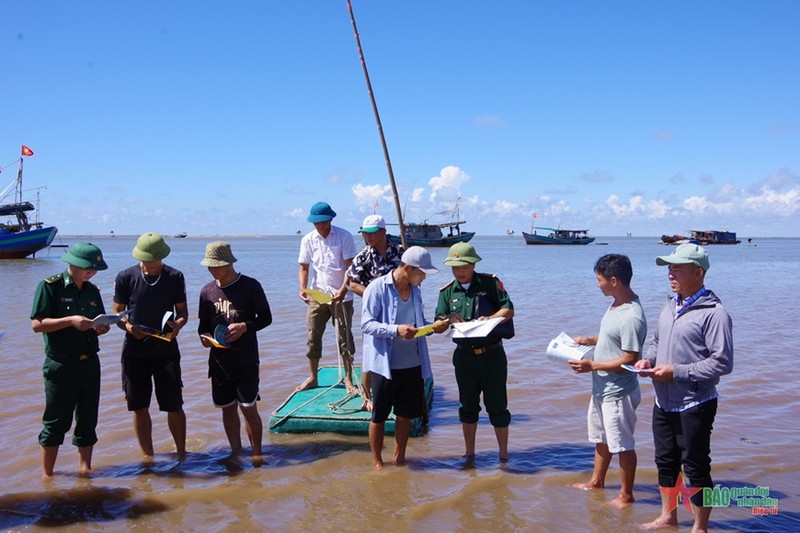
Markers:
{"x": 310, "y": 411}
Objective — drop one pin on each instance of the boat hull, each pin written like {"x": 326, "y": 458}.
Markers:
{"x": 434, "y": 243}
{"x": 530, "y": 238}
{"x": 21, "y": 244}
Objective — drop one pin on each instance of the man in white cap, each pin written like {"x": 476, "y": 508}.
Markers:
{"x": 692, "y": 347}
{"x": 396, "y": 360}
{"x": 379, "y": 257}
{"x": 327, "y": 251}
{"x": 152, "y": 291}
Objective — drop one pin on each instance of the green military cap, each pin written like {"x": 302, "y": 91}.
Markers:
{"x": 460, "y": 254}
{"x": 85, "y": 255}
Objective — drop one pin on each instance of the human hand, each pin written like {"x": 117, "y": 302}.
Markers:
{"x": 102, "y": 330}
{"x": 663, "y": 373}
{"x": 81, "y": 323}
{"x": 406, "y": 332}
{"x": 581, "y": 366}
{"x": 583, "y": 340}
{"x": 235, "y": 331}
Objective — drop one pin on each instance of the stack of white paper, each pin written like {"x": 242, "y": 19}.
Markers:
{"x": 564, "y": 349}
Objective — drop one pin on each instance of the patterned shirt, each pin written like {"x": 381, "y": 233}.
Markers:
{"x": 369, "y": 264}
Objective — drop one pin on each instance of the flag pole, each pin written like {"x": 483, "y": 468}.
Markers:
{"x": 380, "y": 127}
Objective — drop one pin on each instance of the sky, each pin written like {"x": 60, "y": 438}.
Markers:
{"x": 235, "y": 117}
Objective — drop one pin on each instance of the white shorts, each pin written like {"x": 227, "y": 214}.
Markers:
{"x": 612, "y": 423}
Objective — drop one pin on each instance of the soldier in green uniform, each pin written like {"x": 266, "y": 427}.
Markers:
{"x": 480, "y": 363}
{"x": 63, "y": 308}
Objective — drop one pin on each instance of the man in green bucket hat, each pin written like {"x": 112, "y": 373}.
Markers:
{"x": 155, "y": 295}
{"x": 63, "y": 308}
{"x": 480, "y": 363}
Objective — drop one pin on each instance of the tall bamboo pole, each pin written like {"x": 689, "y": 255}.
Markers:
{"x": 380, "y": 127}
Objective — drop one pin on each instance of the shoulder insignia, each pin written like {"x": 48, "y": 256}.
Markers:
{"x": 500, "y": 286}
{"x": 448, "y": 284}
{"x": 53, "y": 279}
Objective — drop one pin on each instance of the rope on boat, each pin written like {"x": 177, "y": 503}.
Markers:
{"x": 293, "y": 411}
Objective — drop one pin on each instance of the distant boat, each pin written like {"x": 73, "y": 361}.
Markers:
{"x": 703, "y": 237}
{"x": 557, "y": 236}
{"x": 510, "y": 232}
{"x": 181, "y": 235}
{"x": 435, "y": 235}
{"x": 19, "y": 237}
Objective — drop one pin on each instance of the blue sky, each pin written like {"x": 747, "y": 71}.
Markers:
{"x": 235, "y": 117}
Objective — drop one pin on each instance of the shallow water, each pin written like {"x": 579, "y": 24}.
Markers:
{"x": 324, "y": 482}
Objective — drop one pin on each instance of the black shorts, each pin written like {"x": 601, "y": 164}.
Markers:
{"x": 138, "y": 375}
{"x": 405, "y": 392}
{"x": 237, "y": 384}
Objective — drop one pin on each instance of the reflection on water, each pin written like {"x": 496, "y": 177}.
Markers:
{"x": 324, "y": 482}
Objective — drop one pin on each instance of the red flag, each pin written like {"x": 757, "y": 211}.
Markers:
{"x": 536, "y": 215}
{"x": 26, "y": 151}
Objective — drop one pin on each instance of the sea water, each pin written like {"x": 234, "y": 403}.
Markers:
{"x": 325, "y": 482}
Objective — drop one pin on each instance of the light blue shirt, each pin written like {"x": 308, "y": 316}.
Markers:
{"x": 378, "y": 323}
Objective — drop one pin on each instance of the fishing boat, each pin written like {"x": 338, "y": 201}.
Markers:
{"x": 557, "y": 236}
{"x": 182, "y": 235}
{"x": 19, "y": 236}
{"x": 435, "y": 235}
{"x": 703, "y": 237}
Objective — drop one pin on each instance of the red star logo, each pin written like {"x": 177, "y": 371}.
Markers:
{"x": 681, "y": 489}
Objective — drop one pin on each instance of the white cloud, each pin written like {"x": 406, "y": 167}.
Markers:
{"x": 417, "y": 195}
{"x": 447, "y": 185}
{"x": 637, "y": 207}
{"x": 369, "y": 194}
{"x": 504, "y": 207}
{"x": 771, "y": 201}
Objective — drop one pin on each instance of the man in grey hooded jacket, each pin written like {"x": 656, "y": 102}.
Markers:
{"x": 692, "y": 347}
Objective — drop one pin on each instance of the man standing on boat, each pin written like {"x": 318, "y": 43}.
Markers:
{"x": 237, "y": 305}
{"x": 63, "y": 309}
{"x": 155, "y": 295}
{"x": 396, "y": 360}
{"x": 480, "y": 364}
{"x": 328, "y": 250}
{"x": 379, "y": 257}
{"x": 692, "y": 347}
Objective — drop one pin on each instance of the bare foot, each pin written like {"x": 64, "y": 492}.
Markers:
{"x": 668, "y": 520}
{"x": 620, "y": 502}
{"x": 378, "y": 465}
{"x": 588, "y": 485}
{"x": 351, "y": 389}
{"x": 85, "y": 472}
{"x": 309, "y": 383}
{"x": 503, "y": 459}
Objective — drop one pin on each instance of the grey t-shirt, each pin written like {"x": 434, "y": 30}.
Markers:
{"x": 622, "y": 329}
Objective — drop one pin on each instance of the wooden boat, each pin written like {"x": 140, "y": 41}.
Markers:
{"x": 329, "y": 408}
{"x": 557, "y": 236}
{"x": 19, "y": 237}
{"x": 181, "y": 235}
{"x": 702, "y": 237}
{"x": 435, "y": 235}
{"x": 432, "y": 235}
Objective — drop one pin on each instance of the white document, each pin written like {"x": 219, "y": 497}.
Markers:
{"x": 564, "y": 349}
{"x": 474, "y": 329}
